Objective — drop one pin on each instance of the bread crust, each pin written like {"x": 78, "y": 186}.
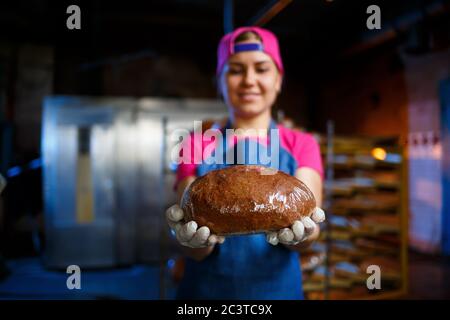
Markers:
{"x": 243, "y": 199}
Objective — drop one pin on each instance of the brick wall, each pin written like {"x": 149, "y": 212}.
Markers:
{"x": 34, "y": 81}
{"x": 366, "y": 95}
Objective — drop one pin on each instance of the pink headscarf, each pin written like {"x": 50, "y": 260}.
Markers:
{"x": 269, "y": 46}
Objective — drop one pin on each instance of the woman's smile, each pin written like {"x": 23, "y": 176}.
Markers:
{"x": 250, "y": 84}
{"x": 249, "y": 97}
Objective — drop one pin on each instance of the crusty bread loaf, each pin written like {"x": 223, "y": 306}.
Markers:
{"x": 244, "y": 199}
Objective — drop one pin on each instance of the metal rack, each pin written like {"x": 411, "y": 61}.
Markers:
{"x": 366, "y": 205}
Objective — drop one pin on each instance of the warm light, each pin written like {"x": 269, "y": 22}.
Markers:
{"x": 379, "y": 153}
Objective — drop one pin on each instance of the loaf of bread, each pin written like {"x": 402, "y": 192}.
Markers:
{"x": 245, "y": 199}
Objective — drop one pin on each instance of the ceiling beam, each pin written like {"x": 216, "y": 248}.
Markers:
{"x": 268, "y": 12}
{"x": 228, "y": 20}
{"x": 399, "y": 25}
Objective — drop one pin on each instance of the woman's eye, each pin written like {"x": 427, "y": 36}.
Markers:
{"x": 240, "y": 71}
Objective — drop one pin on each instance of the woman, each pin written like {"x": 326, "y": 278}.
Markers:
{"x": 250, "y": 74}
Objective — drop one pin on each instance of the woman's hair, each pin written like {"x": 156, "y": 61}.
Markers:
{"x": 248, "y": 35}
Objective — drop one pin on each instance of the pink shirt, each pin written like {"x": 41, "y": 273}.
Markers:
{"x": 302, "y": 147}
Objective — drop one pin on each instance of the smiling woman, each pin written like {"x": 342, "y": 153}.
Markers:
{"x": 250, "y": 80}
{"x": 246, "y": 266}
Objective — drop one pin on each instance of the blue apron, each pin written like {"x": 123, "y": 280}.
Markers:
{"x": 246, "y": 266}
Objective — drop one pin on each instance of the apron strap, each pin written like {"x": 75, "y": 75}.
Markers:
{"x": 225, "y": 147}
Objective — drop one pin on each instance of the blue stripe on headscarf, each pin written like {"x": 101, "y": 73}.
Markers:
{"x": 248, "y": 47}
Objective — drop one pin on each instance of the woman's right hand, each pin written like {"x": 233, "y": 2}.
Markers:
{"x": 188, "y": 234}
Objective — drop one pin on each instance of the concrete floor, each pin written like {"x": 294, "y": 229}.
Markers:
{"x": 30, "y": 280}
{"x": 429, "y": 278}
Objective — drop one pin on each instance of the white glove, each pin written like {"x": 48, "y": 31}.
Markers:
{"x": 299, "y": 231}
{"x": 187, "y": 233}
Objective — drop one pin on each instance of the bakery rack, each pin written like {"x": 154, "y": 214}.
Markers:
{"x": 366, "y": 206}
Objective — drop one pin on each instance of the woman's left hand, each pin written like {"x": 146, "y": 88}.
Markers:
{"x": 299, "y": 231}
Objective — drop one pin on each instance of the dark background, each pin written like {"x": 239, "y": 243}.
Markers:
{"x": 369, "y": 82}
{"x": 335, "y": 66}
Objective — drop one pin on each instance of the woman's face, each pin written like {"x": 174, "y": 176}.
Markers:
{"x": 250, "y": 83}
